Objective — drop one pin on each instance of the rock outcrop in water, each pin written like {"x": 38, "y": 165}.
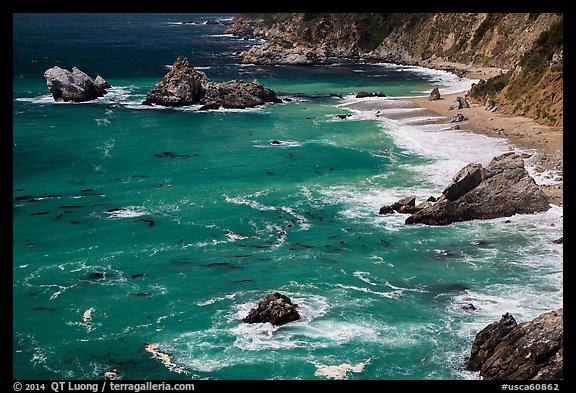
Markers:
{"x": 74, "y": 86}
{"x": 530, "y": 350}
{"x": 183, "y": 85}
{"x": 274, "y": 308}
{"x": 501, "y": 189}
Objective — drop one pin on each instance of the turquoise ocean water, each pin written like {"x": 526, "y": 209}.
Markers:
{"x": 122, "y": 253}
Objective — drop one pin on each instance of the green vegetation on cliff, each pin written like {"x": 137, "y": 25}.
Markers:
{"x": 537, "y": 61}
{"x": 528, "y": 44}
{"x": 534, "y": 86}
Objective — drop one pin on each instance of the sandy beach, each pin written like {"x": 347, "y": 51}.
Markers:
{"x": 543, "y": 143}
{"x": 523, "y": 132}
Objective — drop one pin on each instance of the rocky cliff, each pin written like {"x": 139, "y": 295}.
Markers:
{"x": 530, "y": 350}
{"x": 529, "y": 45}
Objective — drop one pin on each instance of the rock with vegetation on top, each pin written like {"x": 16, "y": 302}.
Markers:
{"x": 528, "y": 351}
{"x": 184, "y": 85}
{"x": 501, "y": 189}
{"x": 74, "y": 86}
{"x": 274, "y": 308}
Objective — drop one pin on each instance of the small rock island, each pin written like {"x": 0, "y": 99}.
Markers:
{"x": 184, "y": 85}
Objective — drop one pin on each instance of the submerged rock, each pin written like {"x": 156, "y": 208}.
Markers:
{"x": 74, "y": 86}
{"x": 527, "y": 351}
{"x": 184, "y": 85}
{"x": 274, "y": 308}
{"x": 501, "y": 189}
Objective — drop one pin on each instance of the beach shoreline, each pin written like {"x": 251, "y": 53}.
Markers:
{"x": 543, "y": 144}
{"x": 522, "y": 132}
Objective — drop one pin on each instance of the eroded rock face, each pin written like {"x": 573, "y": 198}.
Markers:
{"x": 184, "y": 85}
{"x": 501, "y": 189}
{"x": 274, "y": 308}
{"x": 527, "y": 351}
{"x": 275, "y": 53}
{"x": 101, "y": 82}
{"x": 237, "y": 94}
{"x": 74, "y": 86}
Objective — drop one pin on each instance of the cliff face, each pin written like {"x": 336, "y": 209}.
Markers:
{"x": 503, "y": 40}
{"x": 534, "y": 86}
{"x": 534, "y": 350}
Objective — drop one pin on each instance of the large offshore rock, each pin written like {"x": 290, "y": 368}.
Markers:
{"x": 274, "y": 308}
{"x": 501, "y": 189}
{"x": 74, "y": 86}
{"x": 184, "y": 85}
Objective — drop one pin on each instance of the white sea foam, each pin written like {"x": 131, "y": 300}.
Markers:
{"x": 42, "y": 99}
{"x": 362, "y": 202}
{"x": 179, "y": 23}
{"x": 233, "y": 236}
{"x": 451, "y": 149}
{"x": 216, "y": 299}
{"x": 102, "y": 122}
{"x": 339, "y": 371}
{"x": 108, "y": 145}
{"x": 277, "y": 144}
{"x": 304, "y": 224}
{"x": 153, "y": 348}
{"x": 127, "y": 212}
{"x": 448, "y": 82}
{"x": 245, "y": 201}
{"x": 392, "y": 295}
{"x": 309, "y": 330}
{"x": 361, "y": 276}
{"x": 301, "y": 220}
{"x": 212, "y": 242}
